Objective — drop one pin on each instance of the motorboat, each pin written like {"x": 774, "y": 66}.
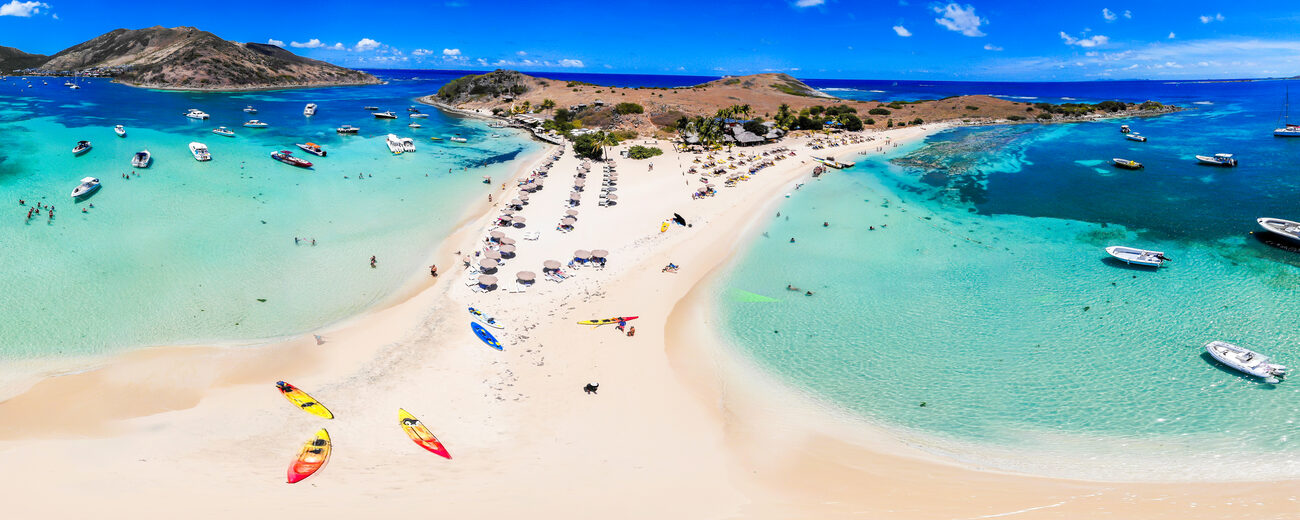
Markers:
{"x": 286, "y": 156}
{"x": 223, "y": 131}
{"x": 419, "y": 115}
{"x": 195, "y": 113}
{"x": 458, "y": 139}
{"x": 413, "y": 110}
{"x": 67, "y": 83}
{"x": 1124, "y": 129}
{"x": 495, "y": 136}
{"x": 1218, "y": 159}
{"x": 142, "y": 159}
{"x": 385, "y": 115}
{"x": 200, "y": 151}
{"x": 1287, "y": 228}
{"x": 408, "y": 144}
{"x": 253, "y": 123}
{"x": 415, "y": 125}
{"x": 120, "y": 130}
{"x": 394, "y": 143}
{"x": 1135, "y": 256}
{"x": 1246, "y": 361}
{"x": 347, "y": 129}
{"x": 312, "y": 148}
{"x": 249, "y": 109}
{"x": 1134, "y": 136}
{"x": 372, "y": 109}
{"x": 435, "y": 138}
{"x": 1127, "y": 164}
{"x": 75, "y": 87}
{"x": 88, "y": 185}
{"x": 309, "y": 110}
{"x": 81, "y": 148}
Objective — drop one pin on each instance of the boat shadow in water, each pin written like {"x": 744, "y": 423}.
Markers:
{"x": 1275, "y": 241}
{"x": 85, "y": 197}
{"x": 1120, "y": 264}
{"x": 1232, "y": 372}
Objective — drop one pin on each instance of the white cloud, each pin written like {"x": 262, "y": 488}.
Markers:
{"x": 451, "y": 52}
{"x": 962, "y": 20}
{"x": 338, "y": 46}
{"x": 521, "y": 53}
{"x": 421, "y": 52}
{"x": 1172, "y": 35}
{"x": 572, "y": 63}
{"x": 22, "y": 9}
{"x": 1128, "y": 14}
{"x": 482, "y": 62}
{"x": 608, "y": 66}
{"x": 1109, "y": 15}
{"x": 902, "y": 31}
{"x": 310, "y": 44}
{"x": 808, "y": 3}
{"x": 1218, "y": 17}
{"x": 1094, "y": 41}
{"x": 275, "y": 42}
{"x": 366, "y": 44}
{"x": 991, "y": 47}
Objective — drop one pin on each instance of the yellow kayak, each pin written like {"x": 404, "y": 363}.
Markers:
{"x": 300, "y": 399}
{"x": 607, "y": 321}
{"x": 420, "y": 433}
{"x": 313, "y": 456}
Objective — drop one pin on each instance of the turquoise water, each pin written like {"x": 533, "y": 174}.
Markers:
{"x": 184, "y": 252}
{"x": 985, "y": 294}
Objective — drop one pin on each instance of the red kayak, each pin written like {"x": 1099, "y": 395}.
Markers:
{"x": 286, "y": 156}
{"x": 315, "y": 453}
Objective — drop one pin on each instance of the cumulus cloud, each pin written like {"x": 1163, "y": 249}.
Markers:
{"x": 991, "y": 47}
{"x": 451, "y": 52}
{"x": 1093, "y": 41}
{"x": 275, "y": 42}
{"x": 338, "y": 46}
{"x": 22, "y": 9}
{"x": 421, "y": 52}
{"x": 808, "y": 3}
{"x": 577, "y": 64}
{"x": 960, "y": 19}
{"x": 1172, "y": 35}
{"x": 1109, "y": 15}
{"x": 1217, "y": 17}
{"x": 521, "y": 53}
{"x": 1128, "y": 13}
{"x": 902, "y": 31}
{"x": 366, "y": 44}
{"x": 313, "y": 43}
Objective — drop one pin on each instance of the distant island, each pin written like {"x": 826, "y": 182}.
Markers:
{"x": 183, "y": 58}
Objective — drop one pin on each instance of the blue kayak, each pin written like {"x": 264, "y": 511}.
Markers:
{"x": 484, "y": 335}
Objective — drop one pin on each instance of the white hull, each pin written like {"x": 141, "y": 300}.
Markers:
{"x": 309, "y": 110}
{"x": 88, "y": 185}
{"x": 1246, "y": 361}
{"x": 200, "y": 152}
{"x": 1136, "y": 256}
{"x": 142, "y": 159}
{"x": 394, "y": 144}
{"x": 1277, "y": 226}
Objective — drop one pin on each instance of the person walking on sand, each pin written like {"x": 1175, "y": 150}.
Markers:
{"x": 433, "y": 271}
{"x": 622, "y": 325}
{"x": 372, "y": 261}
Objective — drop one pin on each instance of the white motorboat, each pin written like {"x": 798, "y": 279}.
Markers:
{"x": 309, "y": 110}
{"x": 458, "y": 139}
{"x": 1136, "y": 256}
{"x": 408, "y": 144}
{"x": 1134, "y": 136}
{"x": 347, "y": 129}
{"x": 88, "y": 185}
{"x": 1218, "y": 159}
{"x": 195, "y": 113}
{"x": 253, "y": 123}
{"x": 75, "y": 87}
{"x": 385, "y": 115}
{"x": 249, "y": 109}
{"x": 200, "y": 151}
{"x": 394, "y": 143}
{"x": 419, "y": 115}
{"x": 1277, "y": 226}
{"x": 120, "y": 130}
{"x": 312, "y": 148}
{"x": 1124, "y": 129}
{"x": 1246, "y": 361}
{"x": 142, "y": 159}
{"x": 81, "y": 147}
{"x": 223, "y": 131}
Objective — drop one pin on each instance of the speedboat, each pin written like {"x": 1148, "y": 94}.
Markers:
{"x": 1218, "y": 159}
{"x": 249, "y": 109}
{"x": 200, "y": 151}
{"x": 415, "y": 125}
{"x": 223, "y": 131}
{"x": 347, "y": 129}
{"x": 372, "y": 109}
{"x": 418, "y": 115}
{"x": 81, "y": 148}
{"x": 195, "y": 113}
{"x": 1134, "y": 136}
{"x": 142, "y": 159}
{"x": 253, "y": 123}
{"x": 1131, "y": 255}
{"x": 413, "y": 110}
{"x": 120, "y": 130}
{"x": 65, "y": 83}
{"x": 1127, "y": 164}
{"x": 497, "y": 124}
{"x": 408, "y": 144}
{"x": 1123, "y": 129}
{"x": 312, "y": 148}
{"x": 459, "y": 139}
{"x": 75, "y": 87}
{"x": 88, "y": 185}
{"x": 1246, "y": 361}
{"x": 394, "y": 143}
{"x": 385, "y": 115}
{"x": 1277, "y": 226}
{"x": 309, "y": 110}
{"x": 286, "y": 156}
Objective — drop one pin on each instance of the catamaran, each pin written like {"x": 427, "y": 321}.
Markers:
{"x": 408, "y": 144}
{"x": 1288, "y": 129}
{"x": 394, "y": 144}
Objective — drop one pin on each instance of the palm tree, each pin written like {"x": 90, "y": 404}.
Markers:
{"x": 745, "y": 109}
{"x": 604, "y": 139}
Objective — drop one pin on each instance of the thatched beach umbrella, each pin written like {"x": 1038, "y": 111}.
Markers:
{"x": 580, "y": 182}
{"x": 526, "y": 276}
{"x": 611, "y": 196}
{"x": 571, "y": 212}
{"x": 523, "y": 197}
{"x": 599, "y": 253}
{"x": 582, "y": 254}
{"x": 508, "y": 241}
{"x": 487, "y": 280}
{"x": 702, "y": 190}
{"x": 573, "y": 195}
{"x": 520, "y": 220}
{"x": 506, "y": 217}
{"x": 497, "y": 235}
{"x": 488, "y": 263}
{"x": 516, "y": 202}
{"x": 568, "y": 221}
{"x": 550, "y": 265}
{"x": 492, "y": 254}
{"x": 506, "y": 248}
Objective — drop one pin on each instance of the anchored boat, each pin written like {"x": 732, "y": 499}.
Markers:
{"x": 1287, "y": 228}
{"x": 1218, "y": 159}
{"x": 1135, "y": 256}
{"x": 1127, "y": 164}
{"x": 1246, "y": 361}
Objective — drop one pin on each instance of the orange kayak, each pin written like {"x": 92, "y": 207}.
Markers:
{"x": 419, "y": 433}
{"x": 312, "y": 458}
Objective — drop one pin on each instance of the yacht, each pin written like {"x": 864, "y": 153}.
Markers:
{"x": 223, "y": 131}
{"x": 1127, "y": 164}
{"x": 347, "y": 129}
{"x": 415, "y": 125}
{"x": 88, "y": 185}
{"x": 195, "y": 113}
{"x": 286, "y": 156}
{"x": 385, "y": 115}
{"x": 1134, "y": 256}
{"x": 1218, "y": 159}
{"x": 1246, "y": 361}
{"x": 120, "y": 130}
{"x": 1287, "y": 129}
{"x": 200, "y": 151}
{"x": 249, "y": 109}
{"x": 418, "y": 115}
{"x": 309, "y": 110}
{"x": 81, "y": 148}
{"x": 312, "y": 148}
{"x": 1124, "y": 129}
{"x": 458, "y": 139}
{"x": 142, "y": 159}
{"x": 75, "y": 87}
{"x": 1277, "y": 226}
{"x": 1134, "y": 136}
{"x": 394, "y": 143}
{"x": 408, "y": 144}
{"x": 253, "y": 123}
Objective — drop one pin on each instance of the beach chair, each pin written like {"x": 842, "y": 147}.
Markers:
{"x": 518, "y": 288}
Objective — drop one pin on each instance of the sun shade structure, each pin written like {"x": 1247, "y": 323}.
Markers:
{"x": 488, "y": 263}
{"x": 506, "y": 248}
{"x": 550, "y": 265}
{"x": 497, "y": 235}
{"x": 571, "y": 212}
{"x": 487, "y": 280}
{"x": 492, "y": 254}
{"x": 526, "y": 276}
{"x": 582, "y": 254}
{"x": 599, "y": 253}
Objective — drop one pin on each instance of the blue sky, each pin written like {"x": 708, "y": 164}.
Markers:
{"x": 886, "y": 39}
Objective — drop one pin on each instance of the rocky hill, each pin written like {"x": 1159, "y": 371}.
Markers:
{"x": 14, "y": 59}
{"x": 188, "y": 58}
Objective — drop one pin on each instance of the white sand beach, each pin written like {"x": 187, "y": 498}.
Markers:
{"x": 679, "y": 428}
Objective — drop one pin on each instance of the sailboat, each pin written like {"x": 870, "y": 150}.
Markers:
{"x": 1288, "y": 130}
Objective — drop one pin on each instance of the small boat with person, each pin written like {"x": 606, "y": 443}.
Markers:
{"x": 1218, "y": 159}
{"x": 88, "y": 185}
{"x": 142, "y": 159}
{"x": 223, "y": 131}
{"x": 81, "y": 148}
{"x": 253, "y": 123}
{"x": 1127, "y": 164}
{"x": 1135, "y": 256}
{"x": 385, "y": 115}
{"x": 1134, "y": 136}
{"x": 200, "y": 151}
{"x": 286, "y": 156}
{"x": 1124, "y": 129}
{"x": 120, "y": 130}
{"x": 415, "y": 125}
{"x": 195, "y": 113}
{"x": 309, "y": 110}
{"x": 311, "y": 148}
{"x": 1246, "y": 361}
{"x": 435, "y": 138}
{"x": 347, "y": 129}
{"x": 1286, "y": 228}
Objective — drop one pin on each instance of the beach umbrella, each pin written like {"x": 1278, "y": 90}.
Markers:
{"x": 611, "y": 196}
{"x": 582, "y": 254}
{"x": 492, "y": 255}
{"x": 526, "y": 276}
{"x": 677, "y": 217}
{"x": 488, "y": 263}
{"x": 516, "y": 202}
{"x": 487, "y": 280}
{"x": 573, "y": 195}
{"x": 508, "y": 241}
{"x": 599, "y": 253}
{"x": 702, "y": 190}
{"x": 550, "y": 265}
{"x": 506, "y": 248}
{"x": 571, "y": 212}
{"x": 520, "y": 220}
{"x": 523, "y": 197}
{"x": 506, "y": 217}
{"x": 580, "y": 182}
{"x": 568, "y": 221}
{"x": 497, "y": 235}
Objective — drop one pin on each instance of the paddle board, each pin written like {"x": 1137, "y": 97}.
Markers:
{"x": 421, "y": 434}
{"x": 311, "y": 458}
{"x": 484, "y": 335}
{"x": 607, "y": 321}
{"x": 485, "y": 319}
{"x": 303, "y": 401}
